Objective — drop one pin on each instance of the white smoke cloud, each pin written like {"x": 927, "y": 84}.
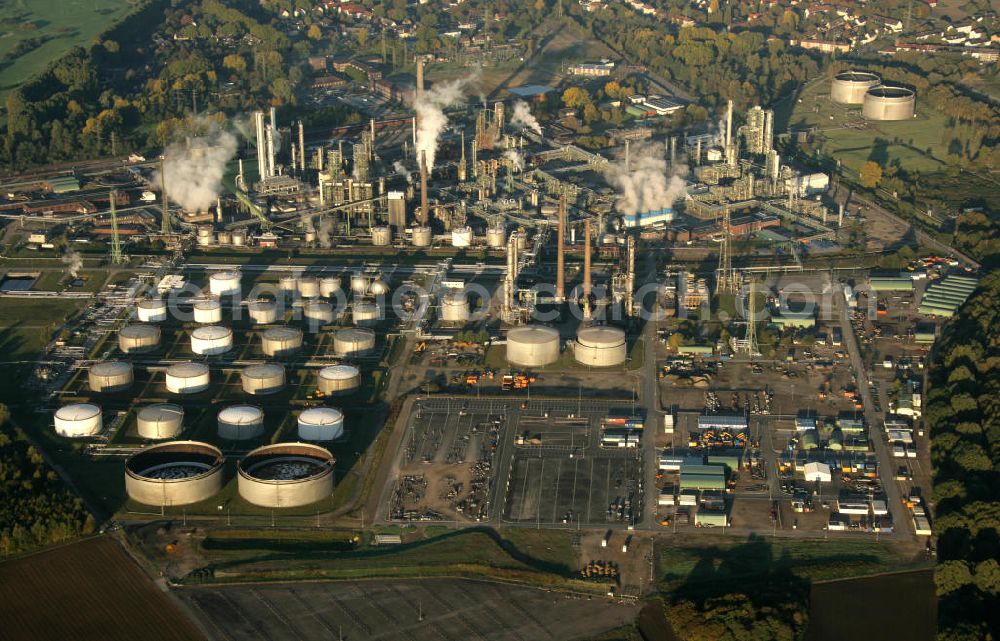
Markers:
{"x": 522, "y": 117}
{"x": 516, "y": 160}
{"x": 402, "y": 171}
{"x": 431, "y": 119}
{"x": 323, "y": 233}
{"x": 194, "y": 169}
{"x": 73, "y": 262}
{"x": 648, "y": 184}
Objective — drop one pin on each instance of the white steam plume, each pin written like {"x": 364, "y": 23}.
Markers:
{"x": 431, "y": 120}
{"x": 194, "y": 170}
{"x": 323, "y": 233}
{"x": 650, "y": 185}
{"x": 515, "y": 159}
{"x": 73, "y": 262}
{"x": 522, "y": 117}
{"x": 402, "y": 171}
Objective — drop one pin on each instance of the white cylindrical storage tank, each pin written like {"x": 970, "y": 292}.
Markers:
{"x": 379, "y": 287}
{"x": 240, "y": 422}
{"x": 78, "y": 420}
{"x": 281, "y": 341}
{"x": 339, "y": 379}
{"x": 308, "y": 287}
{"x": 850, "y": 87}
{"x": 496, "y": 237}
{"x": 174, "y": 473}
{"x": 207, "y": 312}
{"x": 454, "y": 308}
{"x": 266, "y": 378}
{"x": 211, "y": 340}
{"x": 110, "y": 376}
{"x": 285, "y": 475}
{"x": 461, "y": 237}
{"x": 152, "y": 310}
{"x": 381, "y": 236}
{"x": 288, "y": 285}
{"x": 159, "y": 421}
{"x": 321, "y": 424}
{"x": 187, "y": 378}
{"x": 318, "y": 311}
{"x": 329, "y": 286}
{"x": 224, "y": 237}
{"x": 600, "y": 346}
{"x": 225, "y": 283}
{"x": 206, "y": 235}
{"x": 889, "y": 103}
{"x": 138, "y": 338}
{"x": 239, "y": 237}
{"x": 359, "y": 284}
{"x": 532, "y": 346}
{"x": 365, "y": 313}
{"x": 263, "y": 312}
{"x": 422, "y": 236}
{"x": 353, "y": 342}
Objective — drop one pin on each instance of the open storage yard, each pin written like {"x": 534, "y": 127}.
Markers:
{"x": 412, "y": 610}
{"x": 99, "y": 592}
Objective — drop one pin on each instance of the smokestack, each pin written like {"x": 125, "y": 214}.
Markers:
{"x": 373, "y": 133}
{"x": 560, "y": 248}
{"x": 420, "y": 77}
{"x": 424, "y": 209}
{"x": 294, "y": 164}
{"x": 462, "y": 169}
{"x": 258, "y": 121}
{"x": 673, "y": 150}
{"x": 626, "y": 157}
{"x": 697, "y": 152}
{"x": 272, "y": 132}
{"x": 319, "y": 159}
{"x": 414, "y": 121}
{"x": 165, "y": 221}
{"x": 586, "y": 269}
{"x": 630, "y": 280}
{"x": 218, "y": 210}
{"x": 302, "y": 147}
{"x": 729, "y": 125}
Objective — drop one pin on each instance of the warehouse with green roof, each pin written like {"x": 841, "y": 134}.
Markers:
{"x": 945, "y": 296}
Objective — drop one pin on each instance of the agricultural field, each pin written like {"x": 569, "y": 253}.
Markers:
{"x": 96, "y": 591}
{"x": 33, "y": 33}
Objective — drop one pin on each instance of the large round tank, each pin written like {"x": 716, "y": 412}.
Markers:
{"x": 496, "y": 237}
{"x": 211, "y": 340}
{"x": 353, "y": 342}
{"x": 600, "y": 346}
{"x": 206, "y": 235}
{"x": 78, "y": 420}
{"x": 240, "y": 422}
{"x": 110, "y": 376}
{"x": 850, "y": 87}
{"x": 461, "y": 237}
{"x": 174, "y": 473}
{"x": 318, "y": 311}
{"x": 889, "y": 103}
{"x": 359, "y": 284}
{"x": 454, "y": 307}
{"x": 226, "y": 283}
{"x": 364, "y": 313}
{"x": 422, "y": 236}
{"x": 281, "y": 341}
{"x": 532, "y": 346}
{"x": 152, "y": 310}
{"x": 263, "y": 312}
{"x": 379, "y": 287}
{"x": 239, "y": 237}
{"x": 138, "y": 338}
{"x": 381, "y": 236}
{"x": 266, "y": 378}
{"x": 207, "y": 312}
{"x": 321, "y": 424}
{"x": 224, "y": 237}
{"x": 288, "y": 285}
{"x": 159, "y": 421}
{"x": 309, "y": 287}
{"x": 338, "y": 379}
{"x": 329, "y": 286}
{"x": 187, "y": 378}
{"x": 285, "y": 475}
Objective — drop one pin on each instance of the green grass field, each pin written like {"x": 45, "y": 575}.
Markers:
{"x": 33, "y": 33}
{"x": 843, "y": 134}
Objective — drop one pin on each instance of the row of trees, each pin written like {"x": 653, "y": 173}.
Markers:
{"x": 963, "y": 414}
{"x": 36, "y": 507}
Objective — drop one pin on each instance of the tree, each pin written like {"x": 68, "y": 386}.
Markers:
{"x": 315, "y": 33}
{"x": 871, "y": 174}
{"x": 575, "y": 98}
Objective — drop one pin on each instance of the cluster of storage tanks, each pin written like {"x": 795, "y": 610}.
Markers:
{"x": 206, "y": 236}
{"x": 878, "y": 101}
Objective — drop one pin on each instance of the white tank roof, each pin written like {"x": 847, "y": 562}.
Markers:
{"x": 339, "y": 372}
{"x": 241, "y": 414}
{"x": 264, "y": 370}
{"x": 282, "y": 333}
{"x": 160, "y": 412}
{"x": 533, "y": 334}
{"x": 321, "y": 416}
{"x": 152, "y": 303}
{"x": 139, "y": 330}
{"x": 207, "y": 304}
{"x": 600, "y": 336}
{"x": 111, "y": 368}
{"x": 211, "y": 332}
{"x": 225, "y": 275}
{"x": 187, "y": 370}
{"x": 77, "y": 412}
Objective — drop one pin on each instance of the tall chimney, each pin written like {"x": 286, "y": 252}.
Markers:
{"x": 302, "y": 147}
{"x": 373, "y": 134}
{"x": 586, "y": 269}
{"x": 271, "y": 142}
{"x": 424, "y": 208}
{"x": 420, "y": 77}
{"x": 560, "y": 255}
{"x": 165, "y": 221}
